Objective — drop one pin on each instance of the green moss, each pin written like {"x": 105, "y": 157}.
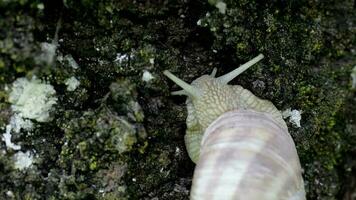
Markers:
{"x": 93, "y": 164}
{"x": 123, "y": 135}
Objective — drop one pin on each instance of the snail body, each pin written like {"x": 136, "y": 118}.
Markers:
{"x": 239, "y": 142}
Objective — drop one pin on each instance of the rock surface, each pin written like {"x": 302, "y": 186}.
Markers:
{"x": 116, "y": 136}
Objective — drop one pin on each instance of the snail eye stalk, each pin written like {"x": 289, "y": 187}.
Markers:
{"x": 188, "y": 89}
{"x": 213, "y": 73}
{"x": 234, "y": 73}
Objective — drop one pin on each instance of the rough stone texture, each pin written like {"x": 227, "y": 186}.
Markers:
{"x": 310, "y": 49}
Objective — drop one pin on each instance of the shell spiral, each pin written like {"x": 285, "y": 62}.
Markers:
{"x": 247, "y": 155}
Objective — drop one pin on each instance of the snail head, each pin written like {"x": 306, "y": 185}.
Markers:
{"x": 210, "y": 96}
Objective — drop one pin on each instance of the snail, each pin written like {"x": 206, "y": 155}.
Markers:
{"x": 239, "y": 142}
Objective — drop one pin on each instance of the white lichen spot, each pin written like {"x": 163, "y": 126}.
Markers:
{"x": 48, "y": 52}
{"x": 69, "y": 58}
{"x": 178, "y": 151}
{"x": 40, "y": 6}
{"x": 147, "y": 76}
{"x": 23, "y": 160}
{"x": 17, "y": 123}
{"x": 152, "y": 61}
{"x": 121, "y": 57}
{"x": 199, "y": 22}
{"x": 32, "y": 99}
{"x": 72, "y": 83}
{"x": 6, "y": 137}
{"x": 221, "y": 6}
{"x": 353, "y": 76}
{"x": 294, "y": 116}
{"x": 10, "y": 194}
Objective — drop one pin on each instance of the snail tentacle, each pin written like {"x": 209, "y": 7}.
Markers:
{"x": 180, "y": 92}
{"x": 189, "y": 89}
{"x": 213, "y": 73}
{"x": 233, "y": 74}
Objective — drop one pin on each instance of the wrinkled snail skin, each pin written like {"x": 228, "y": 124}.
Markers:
{"x": 239, "y": 142}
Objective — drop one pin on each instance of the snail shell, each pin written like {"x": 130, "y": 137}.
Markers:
{"x": 240, "y": 142}
{"x": 247, "y": 155}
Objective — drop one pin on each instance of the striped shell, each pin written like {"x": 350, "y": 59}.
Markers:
{"x": 240, "y": 142}
{"x": 247, "y": 155}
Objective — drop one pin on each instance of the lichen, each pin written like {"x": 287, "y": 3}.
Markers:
{"x": 293, "y": 115}
{"x": 32, "y": 99}
{"x": 147, "y": 76}
{"x": 72, "y": 83}
{"x": 23, "y": 160}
